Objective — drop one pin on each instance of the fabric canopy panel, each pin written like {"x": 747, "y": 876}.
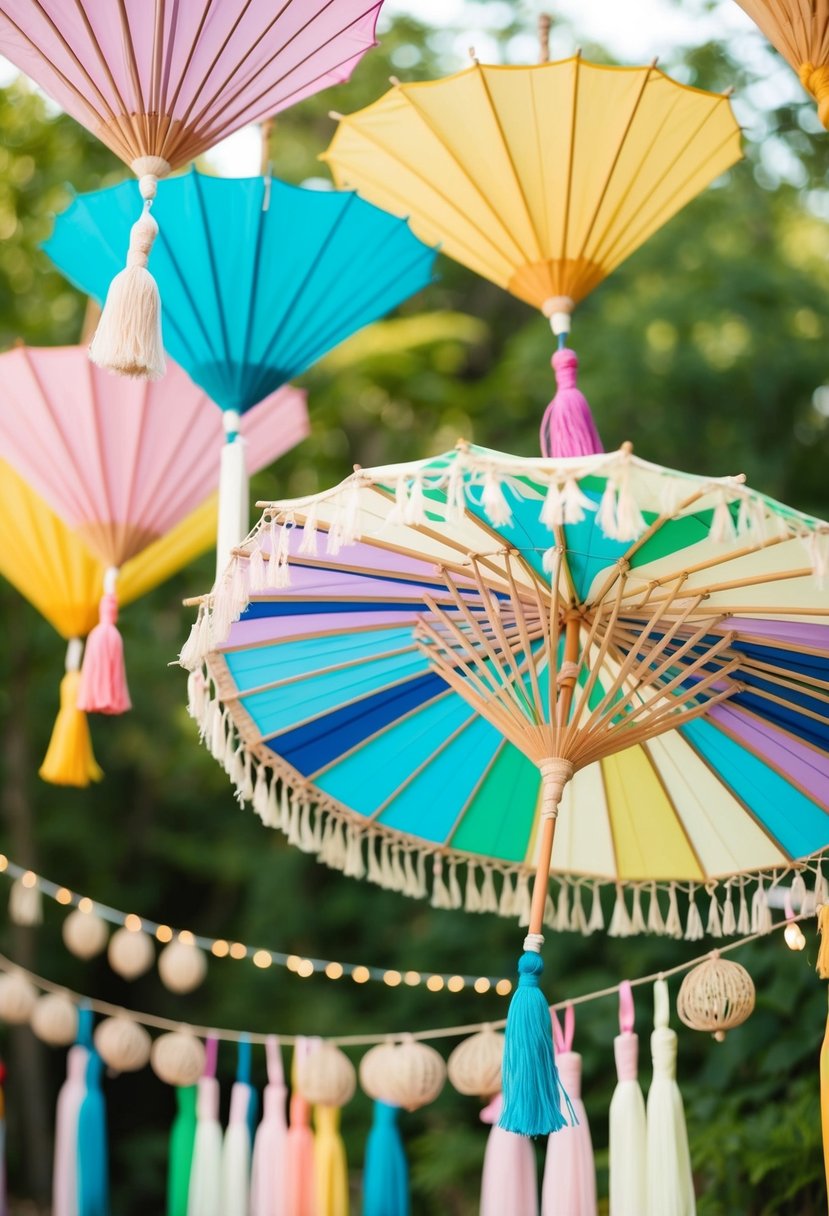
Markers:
{"x": 170, "y": 80}
{"x": 542, "y": 179}
{"x": 258, "y": 279}
{"x": 799, "y": 29}
{"x": 367, "y": 682}
{"x": 122, "y": 462}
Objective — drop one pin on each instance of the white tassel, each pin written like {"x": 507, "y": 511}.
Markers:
{"x": 455, "y": 493}
{"x": 415, "y": 512}
{"x": 294, "y": 833}
{"x": 279, "y": 570}
{"x": 307, "y": 843}
{"x": 821, "y": 888}
{"x": 25, "y": 904}
{"x": 743, "y": 920}
{"x": 410, "y": 888}
{"x": 548, "y": 561}
{"x": 714, "y": 923}
{"x": 673, "y": 924}
{"x": 192, "y": 651}
{"x": 308, "y": 545}
{"x": 195, "y": 695}
{"x": 595, "y": 923}
{"x": 257, "y": 571}
{"x": 260, "y": 793}
{"x": 217, "y": 736}
{"x": 489, "y": 900}
{"x": 606, "y": 514}
{"x": 619, "y": 921}
{"x": 694, "y": 931}
{"x": 351, "y": 513}
{"x": 722, "y": 529}
{"x": 440, "y": 894}
{"x": 397, "y": 871}
{"x": 455, "y": 897}
{"x": 760, "y": 911}
{"x": 128, "y": 338}
{"x": 628, "y": 1127}
{"x": 334, "y": 538}
{"x": 422, "y": 889}
{"x": 358, "y": 866}
{"x": 493, "y": 500}
{"x": 562, "y": 918}
{"x": 386, "y": 875}
{"x": 397, "y": 515}
{"x": 630, "y": 522}
{"x": 236, "y": 1152}
{"x": 205, "y": 1194}
{"x": 576, "y": 503}
{"x": 506, "y": 904}
{"x": 670, "y": 1186}
{"x": 522, "y": 902}
{"x": 324, "y": 855}
{"x": 552, "y": 510}
{"x": 339, "y": 847}
{"x": 578, "y": 920}
{"x": 247, "y": 781}
{"x": 637, "y": 916}
{"x": 272, "y": 817}
{"x": 549, "y": 911}
{"x": 374, "y": 874}
{"x": 729, "y": 920}
{"x": 472, "y": 902}
{"x": 285, "y": 808}
{"x": 656, "y": 924}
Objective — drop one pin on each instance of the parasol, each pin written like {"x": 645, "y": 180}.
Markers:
{"x": 121, "y": 464}
{"x": 161, "y": 83}
{"x": 449, "y": 651}
{"x": 799, "y": 29}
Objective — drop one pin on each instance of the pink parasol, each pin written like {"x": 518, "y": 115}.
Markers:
{"x": 159, "y": 83}
{"x": 122, "y": 463}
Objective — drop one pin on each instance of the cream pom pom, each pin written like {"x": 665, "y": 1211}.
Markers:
{"x": 84, "y": 934}
{"x": 130, "y": 953}
{"x": 182, "y": 966}
{"x": 326, "y": 1076}
{"x": 55, "y": 1019}
{"x": 474, "y": 1066}
{"x": 17, "y": 998}
{"x": 178, "y": 1058}
{"x": 122, "y": 1044}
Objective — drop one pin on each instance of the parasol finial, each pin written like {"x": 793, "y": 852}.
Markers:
{"x": 545, "y": 23}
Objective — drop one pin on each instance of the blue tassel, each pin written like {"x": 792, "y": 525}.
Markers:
{"x": 532, "y": 1090}
{"x": 386, "y": 1173}
{"x": 93, "y": 1182}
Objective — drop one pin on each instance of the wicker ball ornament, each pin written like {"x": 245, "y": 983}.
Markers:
{"x": 84, "y": 934}
{"x": 474, "y": 1066}
{"x": 716, "y": 996}
{"x": 178, "y": 1058}
{"x": 55, "y": 1019}
{"x": 326, "y": 1077}
{"x": 130, "y": 954}
{"x": 17, "y": 998}
{"x": 408, "y": 1074}
{"x": 182, "y": 966}
{"x": 122, "y": 1044}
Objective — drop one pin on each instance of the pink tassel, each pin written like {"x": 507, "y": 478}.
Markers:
{"x": 65, "y": 1174}
{"x": 268, "y": 1191}
{"x": 509, "y": 1182}
{"x": 103, "y": 688}
{"x": 569, "y": 1187}
{"x": 299, "y": 1150}
{"x": 567, "y": 428}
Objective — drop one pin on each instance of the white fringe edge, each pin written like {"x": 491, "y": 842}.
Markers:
{"x": 735, "y": 907}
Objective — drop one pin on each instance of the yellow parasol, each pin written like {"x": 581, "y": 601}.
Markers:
{"x": 541, "y": 178}
{"x": 799, "y": 29}
{"x": 52, "y": 568}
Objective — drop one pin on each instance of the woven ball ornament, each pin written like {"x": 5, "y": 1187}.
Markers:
{"x": 409, "y": 1074}
{"x": 55, "y": 1019}
{"x": 326, "y": 1077}
{"x": 17, "y": 998}
{"x": 84, "y": 934}
{"x": 182, "y": 966}
{"x": 122, "y": 1044}
{"x": 474, "y": 1066}
{"x": 178, "y": 1058}
{"x": 130, "y": 954}
{"x": 716, "y": 996}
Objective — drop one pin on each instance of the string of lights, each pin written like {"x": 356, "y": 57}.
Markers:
{"x": 236, "y": 951}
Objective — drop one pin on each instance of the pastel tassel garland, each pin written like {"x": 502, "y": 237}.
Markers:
{"x": 670, "y": 1185}
{"x": 128, "y": 338}
{"x": 509, "y": 1182}
{"x": 204, "y": 1196}
{"x": 69, "y": 759}
{"x": 93, "y": 1178}
{"x": 628, "y": 1127}
{"x": 70, "y": 1098}
{"x": 330, "y": 1167}
{"x": 268, "y": 1195}
{"x": 567, "y": 428}
{"x": 824, "y": 1100}
{"x": 236, "y": 1154}
{"x": 386, "y": 1171}
{"x": 569, "y": 1187}
{"x": 300, "y": 1148}
{"x": 182, "y": 1140}
{"x": 103, "y": 688}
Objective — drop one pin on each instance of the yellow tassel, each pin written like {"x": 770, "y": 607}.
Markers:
{"x": 330, "y": 1166}
{"x": 824, "y": 1099}
{"x": 69, "y": 759}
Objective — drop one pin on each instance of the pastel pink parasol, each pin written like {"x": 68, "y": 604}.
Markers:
{"x": 122, "y": 464}
{"x": 161, "y": 82}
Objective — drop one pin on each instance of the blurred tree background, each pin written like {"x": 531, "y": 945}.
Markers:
{"x": 709, "y": 349}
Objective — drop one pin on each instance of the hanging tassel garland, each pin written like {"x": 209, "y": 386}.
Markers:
{"x": 567, "y": 428}
{"x": 569, "y": 1187}
{"x": 330, "y": 1166}
{"x": 301, "y": 1199}
{"x": 128, "y": 338}
{"x": 70, "y": 1099}
{"x": 182, "y": 1140}
{"x": 824, "y": 1100}
{"x": 93, "y": 1180}
{"x": 628, "y": 1127}
{"x": 670, "y": 1185}
{"x": 386, "y": 1172}
{"x": 268, "y": 1194}
{"x": 236, "y": 1152}
{"x": 103, "y": 687}
{"x": 509, "y": 1182}
{"x": 69, "y": 759}
{"x": 204, "y": 1197}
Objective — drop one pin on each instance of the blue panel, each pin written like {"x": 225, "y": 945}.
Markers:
{"x": 292, "y": 606}
{"x": 794, "y": 820}
{"x": 264, "y": 664}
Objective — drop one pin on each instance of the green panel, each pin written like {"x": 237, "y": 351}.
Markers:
{"x": 499, "y": 820}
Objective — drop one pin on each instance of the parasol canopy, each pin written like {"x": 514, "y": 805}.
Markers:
{"x": 542, "y": 179}
{"x": 404, "y": 681}
{"x": 799, "y": 29}
{"x": 258, "y": 278}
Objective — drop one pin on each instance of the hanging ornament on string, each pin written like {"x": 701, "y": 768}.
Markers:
{"x": 130, "y": 953}
{"x": 628, "y": 1127}
{"x": 670, "y": 1184}
{"x": 18, "y": 997}
{"x": 182, "y": 966}
{"x": 122, "y": 1044}
{"x": 267, "y": 1187}
{"x": 715, "y": 996}
{"x": 327, "y": 1080}
{"x": 177, "y": 1058}
{"x": 474, "y": 1067}
{"x": 407, "y": 1074}
{"x": 205, "y": 1190}
{"x": 569, "y": 1186}
{"x": 25, "y": 903}
{"x": 84, "y": 933}
{"x": 509, "y": 1182}
{"x": 55, "y": 1019}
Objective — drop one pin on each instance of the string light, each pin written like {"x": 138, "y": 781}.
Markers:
{"x": 239, "y": 951}
{"x": 793, "y": 936}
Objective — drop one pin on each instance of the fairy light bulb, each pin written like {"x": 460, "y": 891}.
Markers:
{"x": 793, "y": 936}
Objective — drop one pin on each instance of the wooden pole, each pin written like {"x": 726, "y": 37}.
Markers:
{"x": 544, "y": 23}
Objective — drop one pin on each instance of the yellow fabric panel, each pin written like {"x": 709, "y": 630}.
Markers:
{"x": 543, "y": 178}
{"x": 196, "y": 534}
{"x": 648, "y": 838}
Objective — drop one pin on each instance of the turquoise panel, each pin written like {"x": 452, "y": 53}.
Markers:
{"x": 266, "y": 664}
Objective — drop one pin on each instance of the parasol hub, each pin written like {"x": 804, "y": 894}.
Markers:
{"x": 148, "y": 168}
{"x": 559, "y": 311}
{"x": 555, "y": 773}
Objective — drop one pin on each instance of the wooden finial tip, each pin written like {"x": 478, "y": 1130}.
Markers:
{"x": 336, "y": 115}
{"x": 545, "y": 22}
{"x": 473, "y": 56}
{"x": 627, "y": 447}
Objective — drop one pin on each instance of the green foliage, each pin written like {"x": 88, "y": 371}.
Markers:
{"x": 708, "y": 349}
